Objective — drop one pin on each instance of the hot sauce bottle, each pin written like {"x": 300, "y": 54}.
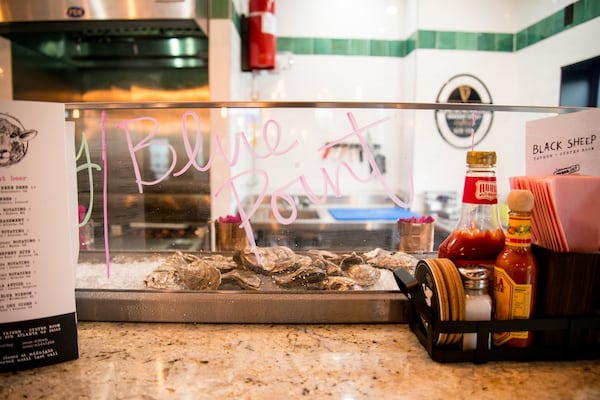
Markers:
{"x": 478, "y": 236}
{"x": 516, "y": 271}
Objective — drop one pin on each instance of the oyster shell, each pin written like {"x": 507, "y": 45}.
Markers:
{"x": 363, "y": 274}
{"x": 221, "y": 262}
{"x": 327, "y": 261}
{"x": 178, "y": 258}
{"x": 334, "y": 270}
{"x": 335, "y": 283}
{"x": 199, "y": 275}
{"x": 273, "y": 260}
{"x": 391, "y": 260}
{"x": 351, "y": 259}
{"x": 302, "y": 276}
{"x": 184, "y": 272}
{"x": 324, "y": 254}
{"x": 244, "y": 279}
{"x": 162, "y": 278}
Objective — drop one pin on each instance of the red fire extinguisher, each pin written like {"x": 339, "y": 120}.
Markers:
{"x": 262, "y": 42}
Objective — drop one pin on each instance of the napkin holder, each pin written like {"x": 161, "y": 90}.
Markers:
{"x": 567, "y": 287}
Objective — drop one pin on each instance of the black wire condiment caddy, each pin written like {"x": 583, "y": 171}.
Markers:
{"x": 579, "y": 335}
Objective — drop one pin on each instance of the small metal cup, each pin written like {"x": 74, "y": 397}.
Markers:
{"x": 229, "y": 236}
{"x": 415, "y": 237}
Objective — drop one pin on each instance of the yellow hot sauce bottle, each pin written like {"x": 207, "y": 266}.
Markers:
{"x": 516, "y": 271}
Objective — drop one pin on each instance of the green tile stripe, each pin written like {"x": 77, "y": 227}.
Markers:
{"x": 441, "y": 40}
{"x": 236, "y": 18}
{"x": 476, "y": 41}
{"x": 220, "y": 9}
{"x": 225, "y": 9}
{"x": 343, "y": 47}
{"x": 583, "y": 11}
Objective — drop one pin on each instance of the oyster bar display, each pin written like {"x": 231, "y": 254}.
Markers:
{"x": 280, "y": 268}
{"x": 317, "y": 190}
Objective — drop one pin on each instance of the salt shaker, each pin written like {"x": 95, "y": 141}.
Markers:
{"x": 478, "y": 303}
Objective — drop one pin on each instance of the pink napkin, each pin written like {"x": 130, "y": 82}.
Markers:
{"x": 566, "y": 213}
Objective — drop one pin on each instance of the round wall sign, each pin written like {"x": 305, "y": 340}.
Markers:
{"x": 456, "y": 126}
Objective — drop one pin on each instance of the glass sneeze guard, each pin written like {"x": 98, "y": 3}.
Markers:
{"x": 311, "y": 190}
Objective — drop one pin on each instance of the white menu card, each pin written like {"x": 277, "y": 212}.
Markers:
{"x": 38, "y": 236}
{"x": 565, "y": 144}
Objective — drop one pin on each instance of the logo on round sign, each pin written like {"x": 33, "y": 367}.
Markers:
{"x": 75, "y": 12}
{"x": 457, "y": 126}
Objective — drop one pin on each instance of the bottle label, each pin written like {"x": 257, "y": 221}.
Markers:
{"x": 518, "y": 232}
{"x": 480, "y": 190}
{"x": 512, "y": 301}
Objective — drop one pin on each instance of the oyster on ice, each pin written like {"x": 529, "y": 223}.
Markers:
{"x": 326, "y": 260}
{"x": 165, "y": 275}
{"x": 302, "y": 276}
{"x": 178, "y": 258}
{"x": 162, "y": 278}
{"x": 363, "y": 274}
{"x": 278, "y": 266}
{"x": 272, "y": 259}
{"x": 391, "y": 260}
{"x": 324, "y": 254}
{"x": 199, "y": 275}
{"x": 184, "y": 272}
{"x": 221, "y": 262}
{"x": 351, "y": 259}
{"x": 339, "y": 283}
{"x": 242, "y": 278}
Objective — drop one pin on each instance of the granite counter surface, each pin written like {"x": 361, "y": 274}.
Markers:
{"x": 189, "y": 361}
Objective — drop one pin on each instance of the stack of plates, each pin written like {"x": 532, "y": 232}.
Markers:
{"x": 566, "y": 214}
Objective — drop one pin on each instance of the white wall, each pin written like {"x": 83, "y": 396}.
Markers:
{"x": 373, "y": 19}
{"x": 538, "y": 67}
{"x": 483, "y": 16}
{"x": 528, "y": 12}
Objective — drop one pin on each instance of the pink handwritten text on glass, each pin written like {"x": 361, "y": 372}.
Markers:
{"x": 271, "y": 135}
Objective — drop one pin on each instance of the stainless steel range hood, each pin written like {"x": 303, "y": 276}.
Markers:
{"x": 104, "y": 34}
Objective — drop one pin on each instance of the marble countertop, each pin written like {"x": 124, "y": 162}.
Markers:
{"x": 197, "y": 361}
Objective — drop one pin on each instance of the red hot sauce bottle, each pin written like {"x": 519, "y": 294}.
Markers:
{"x": 516, "y": 271}
{"x": 478, "y": 236}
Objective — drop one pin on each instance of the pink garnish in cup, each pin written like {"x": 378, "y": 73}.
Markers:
{"x": 421, "y": 220}
{"x": 232, "y": 219}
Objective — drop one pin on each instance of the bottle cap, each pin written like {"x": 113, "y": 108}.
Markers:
{"x": 474, "y": 277}
{"x": 481, "y": 157}
{"x": 520, "y": 200}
